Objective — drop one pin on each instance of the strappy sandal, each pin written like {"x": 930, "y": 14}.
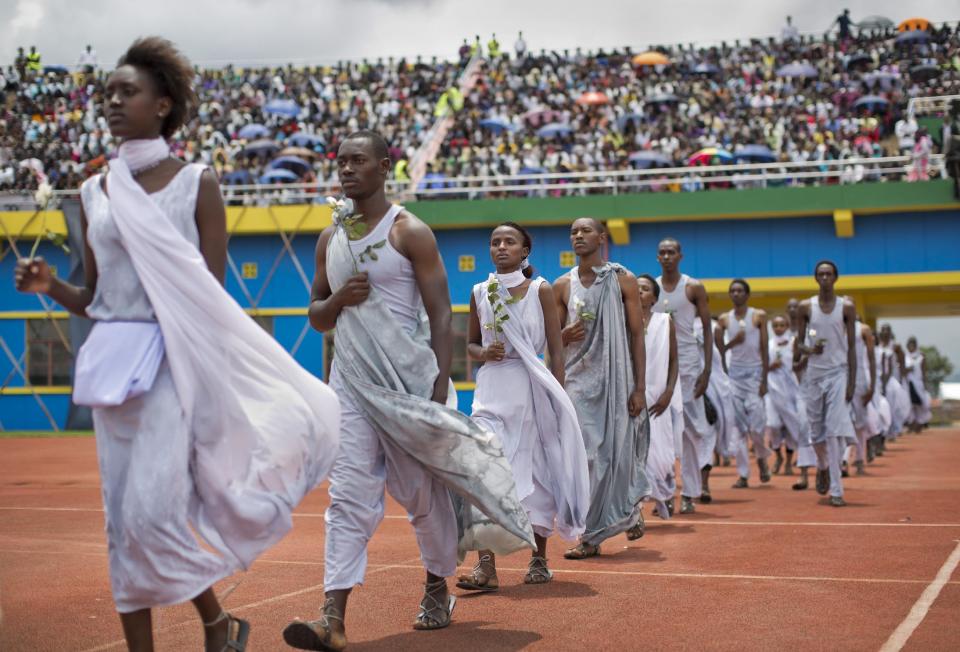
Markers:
{"x": 433, "y": 613}
{"x": 238, "y": 631}
{"x": 637, "y": 531}
{"x": 317, "y": 634}
{"x": 581, "y": 551}
{"x": 537, "y": 571}
{"x": 483, "y": 578}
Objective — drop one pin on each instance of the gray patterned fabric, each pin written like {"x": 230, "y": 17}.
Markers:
{"x": 389, "y": 375}
{"x": 599, "y": 380}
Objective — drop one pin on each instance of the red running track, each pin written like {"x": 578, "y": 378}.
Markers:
{"x": 762, "y": 568}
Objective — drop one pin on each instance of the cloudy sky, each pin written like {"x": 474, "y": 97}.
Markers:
{"x": 215, "y": 31}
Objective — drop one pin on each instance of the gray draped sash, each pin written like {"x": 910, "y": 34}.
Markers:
{"x": 389, "y": 375}
{"x": 599, "y": 380}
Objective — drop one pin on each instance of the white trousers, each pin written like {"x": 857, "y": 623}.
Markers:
{"x": 699, "y": 438}
{"x": 829, "y": 456}
{"x": 361, "y": 473}
{"x": 144, "y": 448}
{"x": 760, "y": 450}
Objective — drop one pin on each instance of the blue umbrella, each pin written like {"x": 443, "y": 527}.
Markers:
{"x": 705, "y": 69}
{"x": 648, "y": 159}
{"x": 59, "y": 70}
{"x": 662, "y": 98}
{"x": 278, "y": 175}
{"x": 886, "y": 79}
{"x": 913, "y": 36}
{"x": 433, "y": 180}
{"x": 292, "y": 163}
{"x": 260, "y": 148}
{"x": 797, "y": 70}
{"x": 237, "y": 177}
{"x": 288, "y": 108}
{"x": 755, "y": 154}
{"x": 301, "y": 139}
{"x": 872, "y": 102}
{"x": 554, "y": 129}
{"x": 622, "y": 121}
{"x": 857, "y": 59}
{"x": 251, "y": 131}
{"x": 496, "y": 125}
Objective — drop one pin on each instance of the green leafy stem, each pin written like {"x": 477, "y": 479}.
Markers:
{"x": 498, "y": 303}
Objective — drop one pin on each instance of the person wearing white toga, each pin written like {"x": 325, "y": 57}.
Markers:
{"x": 827, "y": 336}
{"x": 747, "y": 368}
{"x": 686, "y": 300}
{"x": 916, "y": 366}
{"x": 208, "y": 432}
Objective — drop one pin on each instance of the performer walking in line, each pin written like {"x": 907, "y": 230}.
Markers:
{"x": 785, "y": 411}
{"x": 686, "y": 299}
{"x": 191, "y": 445}
{"x": 916, "y": 367}
{"x": 378, "y": 269}
{"x": 599, "y": 304}
{"x": 891, "y": 381}
{"x": 827, "y": 337}
{"x": 661, "y": 352}
{"x": 513, "y": 319}
{"x": 865, "y": 417}
{"x": 747, "y": 369}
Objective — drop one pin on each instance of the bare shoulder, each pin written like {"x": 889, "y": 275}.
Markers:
{"x": 562, "y": 281}
{"x": 761, "y": 314}
{"x": 409, "y": 225}
{"x": 414, "y": 238}
{"x": 627, "y": 279}
{"x": 546, "y": 294}
{"x": 722, "y": 320}
{"x": 324, "y": 238}
{"x": 804, "y": 306}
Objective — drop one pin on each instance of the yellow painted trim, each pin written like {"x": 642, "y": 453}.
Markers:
{"x": 846, "y": 283}
{"x": 843, "y": 223}
{"x": 461, "y": 307}
{"x": 619, "y": 231}
{"x": 36, "y": 389}
{"x": 241, "y": 220}
{"x": 464, "y": 386}
{"x": 33, "y": 314}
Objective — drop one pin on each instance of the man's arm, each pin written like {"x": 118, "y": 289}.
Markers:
{"x": 325, "y": 305}
{"x": 849, "y": 321}
{"x": 867, "y": 335}
{"x": 761, "y": 322}
{"x": 702, "y": 304}
{"x": 799, "y": 350}
{"x": 630, "y": 293}
{"x": 576, "y": 331}
{"x": 419, "y": 244}
{"x": 720, "y": 339}
{"x": 551, "y": 325}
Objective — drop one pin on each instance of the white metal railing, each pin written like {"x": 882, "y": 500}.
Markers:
{"x": 574, "y": 183}
{"x": 930, "y": 105}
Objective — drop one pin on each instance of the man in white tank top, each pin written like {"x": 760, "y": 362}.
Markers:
{"x": 686, "y": 300}
{"x": 827, "y": 337}
{"x": 402, "y": 262}
{"x": 745, "y": 330}
{"x": 865, "y": 418}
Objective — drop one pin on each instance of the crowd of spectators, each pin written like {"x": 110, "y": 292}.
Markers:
{"x": 799, "y": 98}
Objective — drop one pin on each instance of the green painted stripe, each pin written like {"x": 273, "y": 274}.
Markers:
{"x": 862, "y": 199}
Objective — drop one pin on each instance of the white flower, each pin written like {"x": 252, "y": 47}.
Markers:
{"x": 342, "y": 208}
{"x": 578, "y": 304}
{"x": 43, "y": 195}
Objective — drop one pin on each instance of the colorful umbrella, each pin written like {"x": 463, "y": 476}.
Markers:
{"x": 858, "y": 59}
{"x": 651, "y": 58}
{"x": 302, "y": 152}
{"x": 710, "y": 156}
{"x": 913, "y": 24}
{"x": 635, "y": 118}
{"x": 705, "y": 69}
{"x": 593, "y": 98}
{"x": 542, "y": 116}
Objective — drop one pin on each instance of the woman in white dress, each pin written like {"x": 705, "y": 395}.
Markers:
{"x": 662, "y": 370}
{"x": 916, "y": 366}
{"x": 206, "y": 429}
{"x": 513, "y": 319}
